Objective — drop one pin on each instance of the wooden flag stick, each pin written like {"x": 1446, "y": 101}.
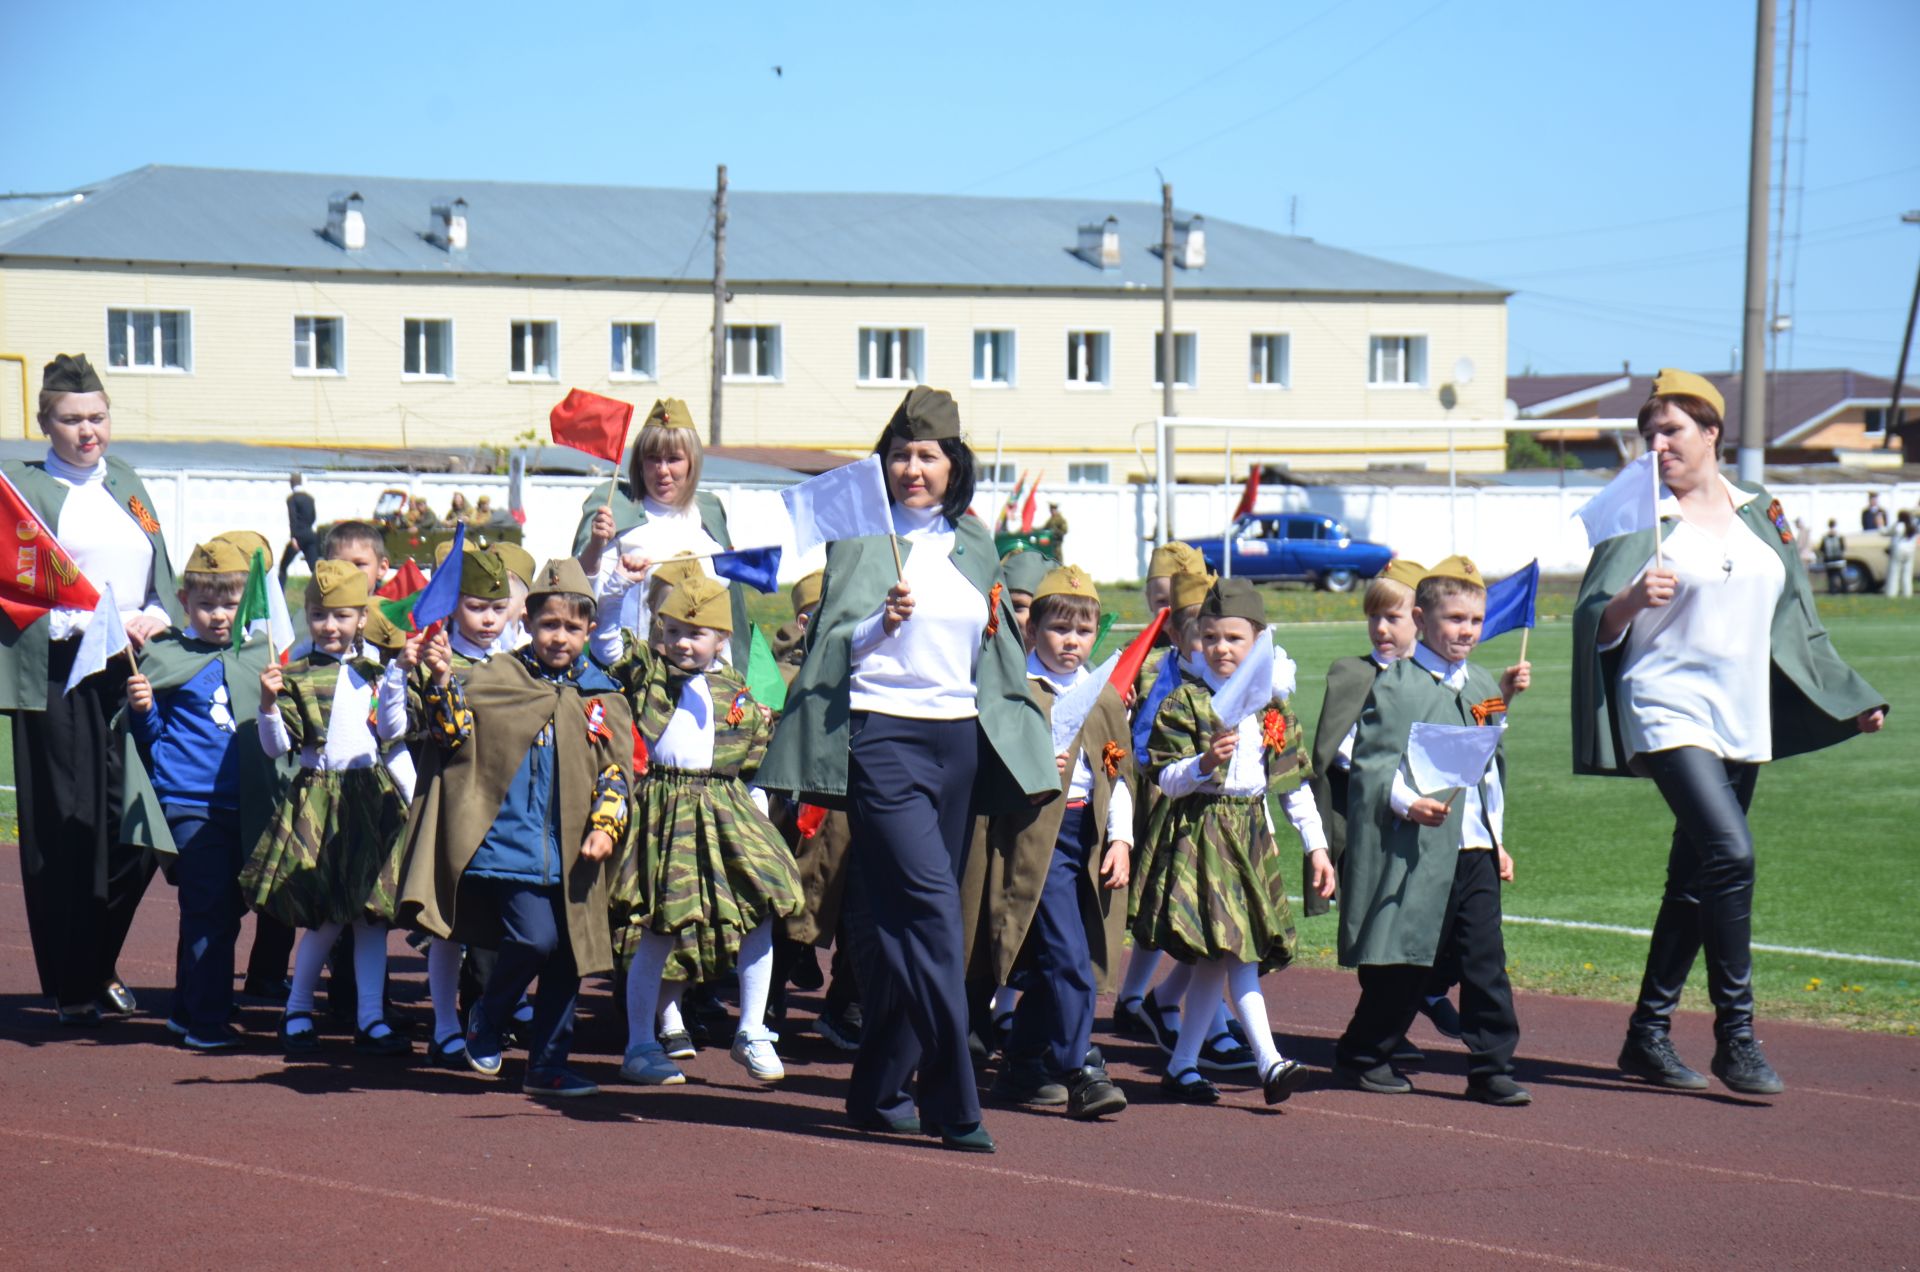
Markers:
{"x": 1524, "y": 633}
{"x": 1659, "y": 556}
{"x": 899, "y": 570}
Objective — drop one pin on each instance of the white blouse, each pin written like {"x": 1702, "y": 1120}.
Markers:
{"x": 106, "y": 543}
{"x": 667, "y": 532}
{"x": 1699, "y": 670}
{"x": 925, "y": 669}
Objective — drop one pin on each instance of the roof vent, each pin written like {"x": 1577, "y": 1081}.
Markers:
{"x": 448, "y": 225}
{"x": 346, "y": 223}
{"x": 1100, "y": 243}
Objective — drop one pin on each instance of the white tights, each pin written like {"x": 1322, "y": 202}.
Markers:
{"x": 1241, "y": 983}
{"x": 644, "y": 986}
{"x": 369, "y": 971}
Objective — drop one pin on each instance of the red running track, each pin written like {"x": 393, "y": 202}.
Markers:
{"x": 119, "y": 1150}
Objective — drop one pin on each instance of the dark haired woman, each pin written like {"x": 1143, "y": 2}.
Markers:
{"x": 1693, "y": 668}
{"x": 82, "y": 883}
{"x": 912, "y": 713}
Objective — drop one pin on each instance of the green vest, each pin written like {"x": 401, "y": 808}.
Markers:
{"x": 23, "y": 654}
{"x": 1816, "y": 697}
{"x": 1396, "y": 875}
{"x": 808, "y": 758}
{"x": 1349, "y": 681}
{"x": 629, "y": 512}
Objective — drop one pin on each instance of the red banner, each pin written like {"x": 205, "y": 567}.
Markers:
{"x": 39, "y": 575}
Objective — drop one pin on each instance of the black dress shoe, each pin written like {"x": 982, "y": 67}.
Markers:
{"x": 908, "y": 1125}
{"x": 1165, "y": 1036}
{"x": 1223, "y": 1053}
{"x": 1026, "y": 1082}
{"x": 1381, "y": 1079}
{"x": 1651, "y": 1056}
{"x": 305, "y": 1041}
{"x": 1091, "y": 1094}
{"x": 1499, "y": 1090}
{"x": 1128, "y": 1021}
{"x": 117, "y": 1001}
{"x": 968, "y": 1139}
{"x": 1282, "y": 1080}
{"x": 390, "y": 1043}
{"x": 1188, "y": 1087}
{"x": 1738, "y": 1062}
{"x": 441, "y": 1058}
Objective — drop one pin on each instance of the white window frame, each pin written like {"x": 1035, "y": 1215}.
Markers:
{"x": 1092, "y": 386}
{"x": 989, "y": 476}
{"x": 339, "y": 346}
{"x": 1178, "y": 336}
{"x": 627, "y": 325}
{"x": 1426, "y": 364}
{"x": 759, "y": 375}
{"x": 910, "y": 354}
{"x": 531, "y": 376}
{"x": 1286, "y": 372}
{"x": 428, "y": 377}
{"x": 186, "y": 351}
{"x": 1104, "y": 468}
{"x": 1013, "y": 372}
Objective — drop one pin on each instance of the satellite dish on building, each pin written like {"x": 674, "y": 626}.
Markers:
{"x": 1463, "y": 371}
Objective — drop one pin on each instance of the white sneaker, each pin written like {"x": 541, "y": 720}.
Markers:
{"x": 647, "y": 1065}
{"x": 756, "y": 1053}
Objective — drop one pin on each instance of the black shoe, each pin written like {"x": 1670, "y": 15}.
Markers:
{"x": 1189, "y": 1087}
{"x": 1025, "y": 1082}
{"x": 1499, "y": 1090}
{"x": 888, "y": 1125}
{"x": 305, "y": 1042}
{"x": 1382, "y": 1079}
{"x": 678, "y": 1045}
{"x": 698, "y": 1030}
{"x": 842, "y": 1029}
{"x": 970, "y": 1139}
{"x": 805, "y": 974}
{"x": 1091, "y": 1094}
{"x": 1443, "y": 1014}
{"x": 225, "y": 1038}
{"x": 703, "y": 1002}
{"x": 1128, "y": 1019}
{"x": 259, "y": 993}
{"x": 1651, "y": 1056}
{"x": 440, "y": 1058}
{"x": 1159, "y": 1028}
{"x": 1282, "y": 1080}
{"x": 1405, "y": 1052}
{"x": 1223, "y": 1054}
{"x": 1739, "y": 1063}
{"x": 117, "y": 1001}
{"x": 389, "y": 1043}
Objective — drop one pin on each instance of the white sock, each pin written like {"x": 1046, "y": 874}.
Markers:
{"x": 756, "y": 978}
{"x": 1203, "y": 990}
{"x": 1218, "y": 1025}
{"x": 370, "y": 976}
{"x": 670, "y": 1020}
{"x": 1171, "y": 991}
{"x": 1243, "y": 985}
{"x": 443, "y": 983}
{"x": 1005, "y": 999}
{"x": 643, "y": 987}
{"x": 309, "y": 959}
{"x": 1141, "y": 965}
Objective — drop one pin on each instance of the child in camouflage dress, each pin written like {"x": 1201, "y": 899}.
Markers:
{"x": 707, "y": 874}
{"x": 319, "y": 866}
{"x": 1214, "y": 894}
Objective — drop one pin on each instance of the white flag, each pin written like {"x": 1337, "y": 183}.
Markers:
{"x": 1443, "y": 757}
{"x": 1623, "y": 506}
{"x": 105, "y": 636}
{"x": 843, "y": 503}
{"x": 1250, "y": 687}
{"x": 1071, "y": 709}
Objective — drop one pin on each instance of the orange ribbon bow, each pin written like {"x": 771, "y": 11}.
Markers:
{"x": 1490, "y": 707}
{"x": 597, "y": 730}
{"x": 1273, "y": 729}
{"x": 738, "y": 711}
{"x": 993, "y": 611}
{"x": 1110, "y": 756}
{"x": 141, "y": 515}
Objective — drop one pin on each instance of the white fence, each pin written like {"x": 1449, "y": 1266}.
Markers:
{"x": 1110, "y": 527}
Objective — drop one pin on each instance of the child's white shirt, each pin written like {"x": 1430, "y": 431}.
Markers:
{"x": 1120, "y": 801}
{"x": 1479, "y": 827}
{"x": 687, "y": 741}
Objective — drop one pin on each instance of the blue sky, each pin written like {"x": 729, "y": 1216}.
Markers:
{"x": 1593, "y": 157}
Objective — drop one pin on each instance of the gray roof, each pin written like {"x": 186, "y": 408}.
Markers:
{"x": 274, "y": 220}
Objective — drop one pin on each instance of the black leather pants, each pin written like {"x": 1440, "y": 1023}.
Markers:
{"x": 1708, "y": 902}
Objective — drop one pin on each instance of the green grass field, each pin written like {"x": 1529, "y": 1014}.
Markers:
{"x": 1837, "y": 853}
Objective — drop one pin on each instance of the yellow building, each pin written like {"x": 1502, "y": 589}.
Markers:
{"x": 332, "y": 311}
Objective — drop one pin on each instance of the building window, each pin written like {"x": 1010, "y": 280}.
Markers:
{"x": 149, "y": 339}
{"x": 1396, "y": 360}
{"x": 317, "y": 346}
{"x": 891, "y": 355}
{"x": 993, "y": 357}
{"x": 1270, "y": 361}
{"x": 532, "y": 352}
{"x": 429, "y": 348}
{"x": 633, "y": 351}
{"x": 753, "y": 353}
{"x": 1087, "y": 361}
{"x": 997, "y": 474}
{"x": 1183, "y": 360}
{"x": 1094, "y": 474}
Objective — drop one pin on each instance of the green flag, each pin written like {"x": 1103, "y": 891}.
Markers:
{"x": 1099, "y": 641}
{"x": 764, "y": 680}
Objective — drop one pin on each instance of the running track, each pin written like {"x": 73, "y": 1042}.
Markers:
{"x": 120, "y": 1151}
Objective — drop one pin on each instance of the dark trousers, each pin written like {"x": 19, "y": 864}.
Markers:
{"x": 82, "y": 884}
{"x": 1470, "y": 949}
{"x": 207, "y": 874}
{"x": 307, "y": 549}
{"x": 272, "y": 947}
{"x": 1054, "y": 1021}
{"x": 534, "y": 943}
{"x": 1709, "y": 896}
{"x": 909, "y": 798}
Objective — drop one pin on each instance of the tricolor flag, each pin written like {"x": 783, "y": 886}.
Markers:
{"x": 263, "y": 610}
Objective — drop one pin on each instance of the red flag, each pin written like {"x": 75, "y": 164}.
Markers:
{"x": 1134, "y": 657}
{"x": 593, "y": 424}
{"x": 405, "y": 581}
{"x": 1026, "y": 513}
{"x": 38, "y": 574}
{"x": 1245, "y": 505}
{"x": 1006, "y": 509}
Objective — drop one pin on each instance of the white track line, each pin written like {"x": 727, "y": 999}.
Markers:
{"x": 461, "y": 1205}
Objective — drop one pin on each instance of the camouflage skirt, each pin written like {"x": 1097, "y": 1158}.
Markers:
{"x": 326, "y": 856}
{"x": 1213, "y": 885}
{"x": 705, "y": 868}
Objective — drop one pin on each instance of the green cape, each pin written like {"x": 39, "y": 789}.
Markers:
{"x": 629, "y": 512}
{"x": 1349, "y": 681}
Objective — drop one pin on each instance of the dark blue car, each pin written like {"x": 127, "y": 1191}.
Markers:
{"x": 1300, "y": 546}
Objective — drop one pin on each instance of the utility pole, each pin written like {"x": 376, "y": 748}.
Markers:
{"x": 719, "y": 303}
{"x": 1753, "y": 353}
{"x": 1166, "y": 298}
{"x": 1892, "y": 424}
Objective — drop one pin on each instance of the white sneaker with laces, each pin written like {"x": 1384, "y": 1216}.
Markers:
{"x": 756, "y": 1053}
{"x": 648, "y": 1066}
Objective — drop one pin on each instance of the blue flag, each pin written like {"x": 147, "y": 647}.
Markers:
{"x": 1165, "y": 681}
{"x": 441, "y": 596}
{"x": 758, "y": 568}
{"x": 1510, "y": 601}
